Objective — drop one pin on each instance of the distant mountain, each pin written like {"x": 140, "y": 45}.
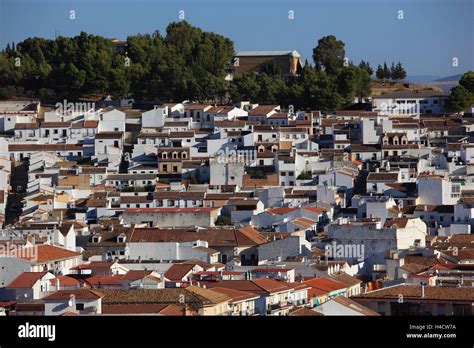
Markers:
{"x": 446, "y": 83}
{"x": 421, "y": 78}
{"x": 449, "y": 78}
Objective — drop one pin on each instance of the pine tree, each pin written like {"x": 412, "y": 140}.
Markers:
{"x": 366, "y": 66}
{"x": 393, "y": 72}
{"x": 380, "y": 72}
{"x": 401, "y": 73}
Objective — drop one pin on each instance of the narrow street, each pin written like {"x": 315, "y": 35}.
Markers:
{"x": 19, "y": 183}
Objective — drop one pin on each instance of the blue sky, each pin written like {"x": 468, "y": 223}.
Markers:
{"x": 431, "y": 34}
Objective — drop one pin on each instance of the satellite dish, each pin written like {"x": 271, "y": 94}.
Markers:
{"x": 404, "y": 276}
{"x": 71, "y": 300}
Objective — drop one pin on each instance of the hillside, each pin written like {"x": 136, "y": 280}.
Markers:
{"x": 379, "y": 87}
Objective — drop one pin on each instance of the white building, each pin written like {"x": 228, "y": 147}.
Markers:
{"x": 406, "y": 103}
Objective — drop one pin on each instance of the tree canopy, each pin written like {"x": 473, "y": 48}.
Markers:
{"x": 186, "y": 63}
{"x": 462, "y": 96}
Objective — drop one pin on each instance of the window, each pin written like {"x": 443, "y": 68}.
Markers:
{"x": 175, "y": 169}
{"x": 455, "y": 190}
{"x": 79, "y": 306}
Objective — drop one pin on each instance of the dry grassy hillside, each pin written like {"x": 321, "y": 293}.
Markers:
{"x": 379, "y": 87}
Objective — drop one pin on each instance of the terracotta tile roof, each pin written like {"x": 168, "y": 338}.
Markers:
{"x": 55, "y": 124}
{"x": 256, "y": 286}
{"x": 315, "y": 209}
{"x": 397, "y": 222}
{"x": 44, "y": 253}
{"x": 303, "y": 312}
{"x": 26, "y": 125}
{"x": 262, "y": 110}
{"x": 65, "y": 281}
{"x": 26, "y": 280}
{"x": 414, "y": 267}
{"x": 208, "y": 294}
{"x": 346, "y": 279}
{"x": 95, "y": 265}
{"x": 271, "y": 285}
{"x": 44, "y": 147}
{"x": 235, "y": 295}
{"x": 109, "y": 135}
{"x": 458, "y": 294}
{"x": 382, "y": 177}
{"x": 91, "y": 124}
{"x": 179, "y": 195}
{"x": 324, "y": 285}
{"x": 149, "y": 308}
{"x": 216, "y": 237}
{"x": 192, "y": 297}
{"x": 178, "y": 272}
{"x": 100, "y": 281}
{"x": 83, "y": 294}
{"x": 195, "y": 106}
{"x": 280, "y": 211}
{"x": 134, "y": 275}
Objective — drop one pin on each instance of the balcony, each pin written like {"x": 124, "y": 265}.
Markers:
{"x": 277, "y": 307}
{"x": 380, "y": 268}
{"x": 243, "y": 313}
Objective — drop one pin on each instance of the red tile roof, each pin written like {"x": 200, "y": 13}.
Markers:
{"x": 99, "y": 281}
{"x": 236, "y": 295}
{"x": 178, "y": 271}
{"x": 324, "y": 285}
{"x": 44, "y": 253}
{"x": 26, "y": 280}
{"x": 83, "y": 294}
{"x": 281, "y": 211}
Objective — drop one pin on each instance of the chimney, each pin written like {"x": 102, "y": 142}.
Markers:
{"x": 57, "y": 284}
{"x": 423, "y": 290}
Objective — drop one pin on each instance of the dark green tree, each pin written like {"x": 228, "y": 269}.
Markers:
{"x": 366, "y": 66}
{"x": 459, "y": 99}
{"x": 467, "y": 81}
{"x": 329, "y": 54}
